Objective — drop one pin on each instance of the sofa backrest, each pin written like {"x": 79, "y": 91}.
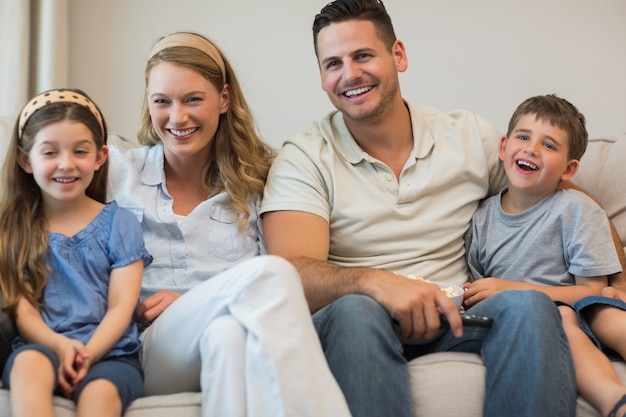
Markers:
{"x": 602, "y": 170}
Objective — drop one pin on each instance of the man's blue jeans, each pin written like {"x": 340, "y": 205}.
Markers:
{"x": 529, "y": 367}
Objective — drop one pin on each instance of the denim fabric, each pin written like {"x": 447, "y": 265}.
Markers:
{"x": 596, "y": 300}
{"x": 529, "y": 366}
{"x": 122, "y": 371}
{"x": 365, "y": 355}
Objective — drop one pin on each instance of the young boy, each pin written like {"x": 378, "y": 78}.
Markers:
{"x": 537, "y": 236}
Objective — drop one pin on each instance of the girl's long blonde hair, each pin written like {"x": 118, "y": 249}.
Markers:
{"x": 239, "y": 160}
{"x": 23, "y": 228}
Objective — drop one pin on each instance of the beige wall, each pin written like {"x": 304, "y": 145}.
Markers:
{"x": 483, "y": 55}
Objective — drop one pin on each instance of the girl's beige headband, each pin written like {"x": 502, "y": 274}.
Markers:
{"x": 56, "y": 96}
{"x": 193, "y": 41}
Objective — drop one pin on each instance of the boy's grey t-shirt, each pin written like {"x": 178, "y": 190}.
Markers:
{"x": 564, "y": 235}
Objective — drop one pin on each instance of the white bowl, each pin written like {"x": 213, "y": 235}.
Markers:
{"x": 454, "y": 292}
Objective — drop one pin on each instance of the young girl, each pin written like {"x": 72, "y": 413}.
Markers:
{"x": 70, "y": 265}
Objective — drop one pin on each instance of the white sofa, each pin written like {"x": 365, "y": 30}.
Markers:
{"x": 444, "y": 384}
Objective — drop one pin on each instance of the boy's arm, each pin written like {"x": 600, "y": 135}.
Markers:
{"x": 124, "y": 289}
{"x": 619, "y": 279}
{"x": 486, "y": 287}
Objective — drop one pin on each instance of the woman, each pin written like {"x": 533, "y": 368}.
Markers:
{"x": 219, "y": 318}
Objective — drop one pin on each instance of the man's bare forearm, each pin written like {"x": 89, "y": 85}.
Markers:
{"x": 324, "y": 282}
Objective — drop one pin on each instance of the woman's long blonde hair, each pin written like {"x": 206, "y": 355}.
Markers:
{"x": 239, "y": 160}
{"x": 23, "y": 228}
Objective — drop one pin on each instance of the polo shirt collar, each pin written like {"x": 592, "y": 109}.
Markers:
{"x": 346, "y": 145}
{"x": 423, "y": 141}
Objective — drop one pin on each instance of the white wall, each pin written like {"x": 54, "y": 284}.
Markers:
{"x": 483, "y": 55}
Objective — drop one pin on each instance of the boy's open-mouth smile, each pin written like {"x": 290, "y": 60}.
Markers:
{"x": 526, "y": 166}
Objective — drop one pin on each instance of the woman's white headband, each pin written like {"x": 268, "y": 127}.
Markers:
{"x": 193, "y": 41}
{"x": 56, "y": 96}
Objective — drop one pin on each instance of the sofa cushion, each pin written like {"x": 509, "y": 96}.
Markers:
{"x": 185, "y": 404}
{"x": 440, "y": 384}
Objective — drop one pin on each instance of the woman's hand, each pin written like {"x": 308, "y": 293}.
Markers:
{"x": 149, "y": 309}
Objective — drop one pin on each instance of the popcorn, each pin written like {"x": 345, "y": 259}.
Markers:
{"x": 448, "y": 291}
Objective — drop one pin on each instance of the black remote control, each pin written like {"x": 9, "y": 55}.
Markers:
{"x": 468, "y": 320}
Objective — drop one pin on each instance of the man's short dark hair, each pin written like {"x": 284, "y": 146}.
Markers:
{"x": 343, "y": 10}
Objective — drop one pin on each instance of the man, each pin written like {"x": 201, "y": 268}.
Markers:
{"x": 382, "y": 190}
